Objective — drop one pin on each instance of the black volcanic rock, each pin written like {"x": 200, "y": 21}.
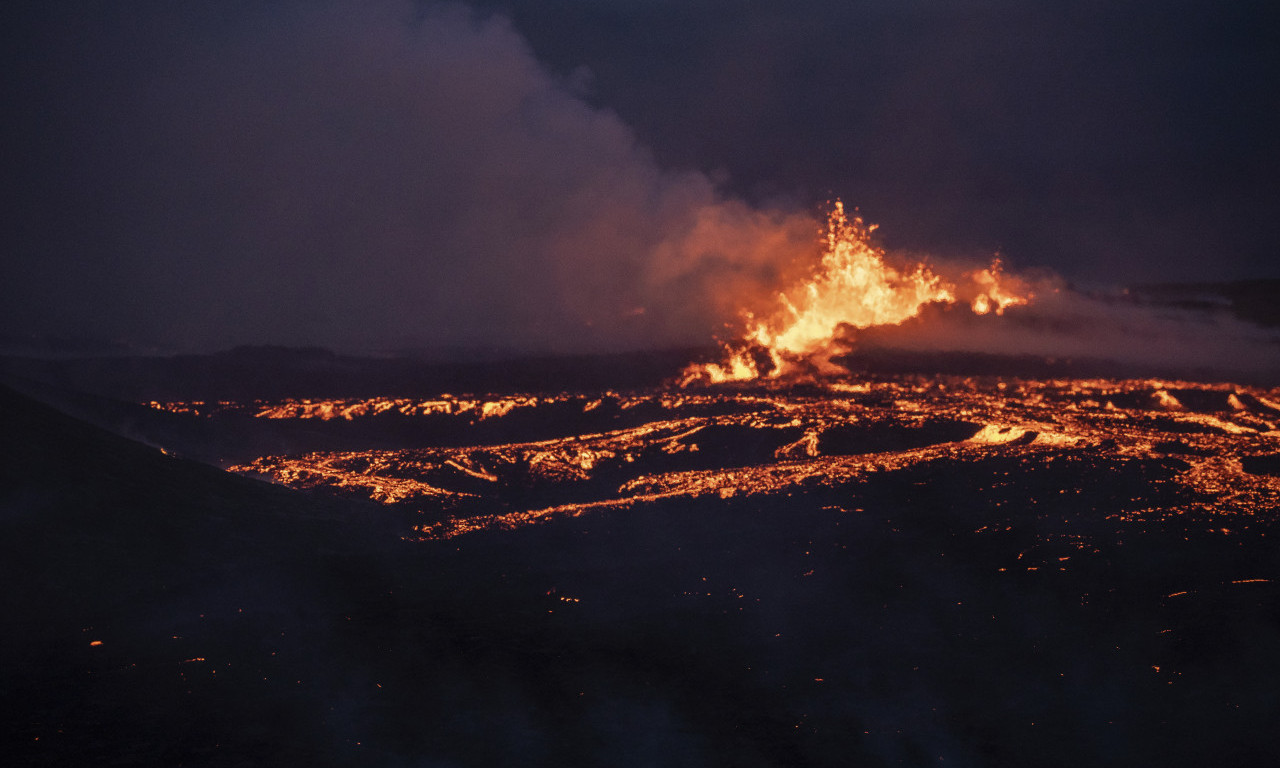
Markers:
{"x": 852, "y": 439}
{"x": 1268, "y": 464}
{"x": 135, "y": 579}
{"x": 1008, "y": 604}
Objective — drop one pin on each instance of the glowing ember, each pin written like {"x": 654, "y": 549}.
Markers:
{"x": 853, "y": 287}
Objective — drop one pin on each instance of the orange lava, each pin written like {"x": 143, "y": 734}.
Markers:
{"x": 775, "y": 440}
{"x": 853, "y": 287}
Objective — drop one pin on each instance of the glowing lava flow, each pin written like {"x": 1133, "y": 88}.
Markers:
{"x": 853, "y": 287}
{"x": 1171, "y": 453}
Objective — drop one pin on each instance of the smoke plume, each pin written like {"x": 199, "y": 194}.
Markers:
{"x": 365, "y": 175}
{"x": 389, "y": 174}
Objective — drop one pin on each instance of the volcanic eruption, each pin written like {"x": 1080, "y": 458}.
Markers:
{"x": 852, "y": 287}
{"x": 503, "y": 498}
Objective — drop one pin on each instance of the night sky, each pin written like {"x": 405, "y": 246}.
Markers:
{"x": 583, "y": 174}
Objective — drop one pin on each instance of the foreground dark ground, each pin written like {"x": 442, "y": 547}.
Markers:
{"x": 894, "y": 572}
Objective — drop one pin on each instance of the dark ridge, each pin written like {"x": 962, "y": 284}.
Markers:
{"x": 59, "y": 471}
{"x": 1255, "y": 301}
{"x": 124, "y": 566}
{"x": 251, "y": 373}
{"x": 234, "y": 437}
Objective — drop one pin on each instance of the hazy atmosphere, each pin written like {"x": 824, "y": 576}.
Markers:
{"x": 629, "y": 383}
{"x": 584, "y": 175}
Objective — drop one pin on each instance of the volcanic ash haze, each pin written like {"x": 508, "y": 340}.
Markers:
{"x": 376, "y": 174}
{"x": 391, "y": 174}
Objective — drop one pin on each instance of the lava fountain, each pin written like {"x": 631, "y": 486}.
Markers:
{"x": 853, "y": 286}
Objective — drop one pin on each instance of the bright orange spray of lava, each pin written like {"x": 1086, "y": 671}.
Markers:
{"x": 853, "y": 287}
{"x": 995, "y": 293}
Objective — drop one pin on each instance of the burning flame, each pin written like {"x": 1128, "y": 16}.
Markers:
{"x": 852, "y": 287}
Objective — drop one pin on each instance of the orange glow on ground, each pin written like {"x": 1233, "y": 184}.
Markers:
{"x": 769, "y": 440}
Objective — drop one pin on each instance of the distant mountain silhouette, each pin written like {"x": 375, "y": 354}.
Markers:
{"x": 268, "y": 372}
{"x": 1256, "y": 301}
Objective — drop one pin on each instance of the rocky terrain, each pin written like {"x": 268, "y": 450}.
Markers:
{"x": 893, "y": 569}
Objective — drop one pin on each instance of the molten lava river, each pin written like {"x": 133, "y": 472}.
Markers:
{"x": 1075, "y": 460}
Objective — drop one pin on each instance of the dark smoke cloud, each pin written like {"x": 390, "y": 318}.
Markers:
{"x": 359, "y": 175}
